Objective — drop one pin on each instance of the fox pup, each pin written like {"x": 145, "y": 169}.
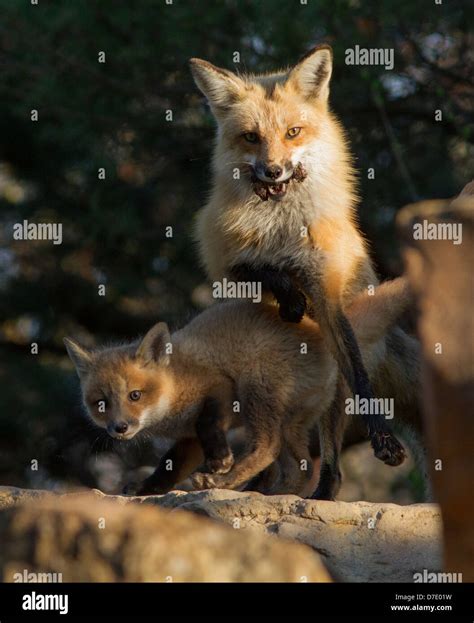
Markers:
{"x": 186, "y": 386}
{"x": 281, "y": 210}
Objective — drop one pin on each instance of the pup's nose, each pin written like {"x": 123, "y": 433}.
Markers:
{"x": 121, "y": 427}
{"x": 273, "y": 171}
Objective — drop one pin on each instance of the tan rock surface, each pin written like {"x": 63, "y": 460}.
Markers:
{"x": 87, "y": 539}
{"x": 357, "y": 541}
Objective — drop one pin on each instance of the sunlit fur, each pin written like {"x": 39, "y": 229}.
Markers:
{"x": 244, "y": 351}
{"x": 236, "y": 226}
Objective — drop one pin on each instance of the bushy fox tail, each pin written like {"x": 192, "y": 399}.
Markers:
{"x": 372, "y": 315}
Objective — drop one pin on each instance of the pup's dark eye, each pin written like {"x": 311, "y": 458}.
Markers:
{"x": 292, "y": 132}
{"x": 251, "y": 137}
{"x": 135, "y": 395}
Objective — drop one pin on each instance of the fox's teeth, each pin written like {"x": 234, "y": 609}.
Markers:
{"x": 277, "y": 189}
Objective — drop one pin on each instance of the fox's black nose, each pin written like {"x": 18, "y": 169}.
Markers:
{"x": 121, "y": 427}
{"x": 273, "y": 171}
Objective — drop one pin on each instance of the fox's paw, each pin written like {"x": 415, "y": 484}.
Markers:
{"x": 202, "y": 480}
{"x": 221, "y": 465}
{"x": 387, "y": 448}
{"x": 293, "y": 309}
{"x": 322, "y": 494}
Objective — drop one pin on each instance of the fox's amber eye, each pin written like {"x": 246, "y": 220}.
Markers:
{"x": 251, "y": 137}
{"x": 292, "y": 132}
{"x": 135, "y": 395}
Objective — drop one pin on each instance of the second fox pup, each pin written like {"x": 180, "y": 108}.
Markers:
{"x": 281, "y": 210}
{"x": 186, "y": 386}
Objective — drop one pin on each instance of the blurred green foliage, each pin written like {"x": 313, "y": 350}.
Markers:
{"x": 114, "y": 115}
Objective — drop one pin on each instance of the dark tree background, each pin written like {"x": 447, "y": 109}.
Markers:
{"x": 113, "y": 115}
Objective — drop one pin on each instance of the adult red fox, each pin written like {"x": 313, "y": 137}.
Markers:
{"x": 235, "y": 364}
{"x": 281, "y": 210}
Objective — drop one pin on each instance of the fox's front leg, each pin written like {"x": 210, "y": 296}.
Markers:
{"x": 326, "y": 310}
{"x": 291, "y": 301}
{"x": 211, "y": 429}
{"x": 176, "y": 465}
{"x": 263, "y": 413}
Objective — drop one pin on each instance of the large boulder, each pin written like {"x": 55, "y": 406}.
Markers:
{"x": 87, "y": 539}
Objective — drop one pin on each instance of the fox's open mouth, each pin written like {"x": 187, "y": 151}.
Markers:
{"x": 276, "y": 191}
{"x": 123, "y": 436}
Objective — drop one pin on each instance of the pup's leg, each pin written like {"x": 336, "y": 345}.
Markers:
{"x": 176, "y": 465}
{"x": 211, "y": 428}
{"x": 267, "y": 478}
{"x": 188, "y": 454}
{"x": 295, "y": 463}
{"x": 280, "y": 477}
{"x": 262, "y": 410}
{"x": 331, "y": 428}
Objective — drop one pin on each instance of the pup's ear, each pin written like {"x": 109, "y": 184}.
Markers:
{"x": 155, "y": 346}
{"x": 220, "y": 86}
{"x": 311, "y": 75}
{"x": 80, "y": 357}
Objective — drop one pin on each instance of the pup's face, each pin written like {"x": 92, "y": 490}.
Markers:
{"x": 126, "y": 390}
{"x": 269, "y": 125}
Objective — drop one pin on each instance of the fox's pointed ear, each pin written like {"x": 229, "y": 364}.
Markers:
{"x": 156, "y": 345}
{"x": 80, "y": 357}
{"x": 220, "y": 86}
{"x": 311, "y": 75}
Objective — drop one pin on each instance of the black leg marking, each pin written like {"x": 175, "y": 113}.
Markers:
{"x": 386, "y": 446}
{"x": 291, "y": 300}
{"x": 212, "y": 435}
{"x": 329, "y": 482}
{"x": 331, "y": 427}
{"x": 263, "y": 410}
{"x": 350, "y": 360}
